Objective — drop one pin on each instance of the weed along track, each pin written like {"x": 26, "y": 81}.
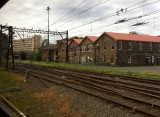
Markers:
{"x": 139, "y": 95}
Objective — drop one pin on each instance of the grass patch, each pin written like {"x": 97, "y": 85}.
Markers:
{"x": 24, "y": 99}
{"x": 5, "y": 82}
{"x": 83, "y": 68}
{"x": 36, "y": 103}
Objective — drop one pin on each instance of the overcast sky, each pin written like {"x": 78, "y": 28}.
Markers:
{"x": 86, "y": 16}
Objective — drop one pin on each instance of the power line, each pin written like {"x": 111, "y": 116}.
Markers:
{"x": 119, "y": 27}
{"x": 76, "y": 15}
{"x": 111, "y": 15}
{"x": 57, "y": 21}
{"x": 97, "y": 31}
{"x": 106, "y": 26}
{"x": 97, "y": 5}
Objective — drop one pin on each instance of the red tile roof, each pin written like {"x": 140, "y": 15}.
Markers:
{"x": 92, "y": 38}
{"x": 133, "y": 37}
{"x": 78, "y": 41}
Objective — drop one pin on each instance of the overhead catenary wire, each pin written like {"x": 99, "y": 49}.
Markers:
{"x": 68, "y": 13}
{"x": 117, "y": 28}
{"x": 100, "y": 27}
{"x": 111, "y": 15}
{"x": 121, "y": 10}
{"x": 107, "y": 26}
{"x": 76, "y": 15}
{"x": 110, "y": 29}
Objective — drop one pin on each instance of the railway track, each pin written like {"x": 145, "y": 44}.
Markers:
{"x": 135, "y": 97}
{"x": 143, "y": 80}
{"x": 9, "y": 110}
{"x": 154, "y": 90}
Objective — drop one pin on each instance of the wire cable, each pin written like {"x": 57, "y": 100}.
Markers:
{"x": 76, "y": 15}
{"x": 68, "y": 12}
{"x": 111, "y": 15}
{"x": 106, "y": 26}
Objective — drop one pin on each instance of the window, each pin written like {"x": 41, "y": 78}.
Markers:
{"x": 97, "y": 46}
{"x": 76, "y": 59}
{"x": 112, "y": 47}
{"x": 129, "y": 59}
{"x": 120, "y": 45}
{"x": 140, "y": 46}
{"x": 90, "y": 48}
{"x": 150, "y": 46}
{"x": 104, "y": 48}
{"x": 83, "y": 48}
{"x": 71, "y": 49}
{"x": 129, "y": 45}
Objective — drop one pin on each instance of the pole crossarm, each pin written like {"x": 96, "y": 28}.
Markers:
{"x": 39, "y": 31}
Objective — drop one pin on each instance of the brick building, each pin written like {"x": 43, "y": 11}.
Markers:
{"x": 87, "y": 50}
{"x": 74, "y": 50}
{"x": 127, "y": 49}
{"x": 52, "y": 53}
{"x": 61, "y": 46}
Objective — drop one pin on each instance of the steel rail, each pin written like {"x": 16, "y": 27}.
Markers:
{"x": 93, "y": 87}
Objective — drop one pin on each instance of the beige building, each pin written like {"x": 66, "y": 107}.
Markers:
{"x": 28, "y": 45}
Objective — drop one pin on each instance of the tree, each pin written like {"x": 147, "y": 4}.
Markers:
{"x": 38, "y": 54}
{"x": 23, "y": 55}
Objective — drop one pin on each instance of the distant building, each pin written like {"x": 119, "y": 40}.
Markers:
{"x": 115, "y": 49}
{"x": 87, "y": 50}
{"x": 61, "y": 45}
{"x": 52, "y": 53}
{"x": 127, "y": 49}
{"x": 29, "y": 45}
{"x": 74, "y": 50}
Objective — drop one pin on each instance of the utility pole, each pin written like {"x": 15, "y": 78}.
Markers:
{"x": 11, "y": 42}
{"x": 1, "y": 46}
{"x": 67, "y": 54}
{"x": 48, "y": 36}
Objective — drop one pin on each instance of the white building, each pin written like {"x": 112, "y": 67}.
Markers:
{"x": 28, "y": 45}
